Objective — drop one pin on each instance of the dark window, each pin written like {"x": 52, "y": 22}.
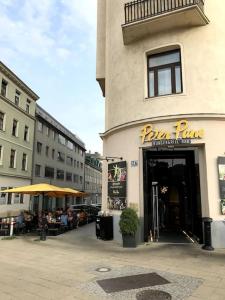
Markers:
{"x": 53, "y": 153}
{"x": 39, "y": 146}
{"x": 0, "y": 153}
{"x": 60, "y": 174}
{"x": 9, "y": 201}
{"x": 164, "y": 74}
{"x": 26, "y": 130}
{"x": 61, "y": 156}
{"x": 37, "y": 170}
{"x": 4, "y": 87}
{"x": 69, "y": 160}
{"x": 14, "y": 127}
{"x": 49, "y": 172}
{"x": 12, "y": 158}
{"x": 2, "y": 116}
{"x": 28, "y": 106}
{"x": 69, "y": 176}
{"x": 81, "y": 165}
{"x": 75, "y": 178}
{"x": 17, "y": 98}
{"x": 81, "y": 179}
{"x": 75, "y": 163}
{"x": 46, "y": 150}
{"x": 24, "y": 162}
{"x": 21, "y": 199}
{"x": 78, "y": 164}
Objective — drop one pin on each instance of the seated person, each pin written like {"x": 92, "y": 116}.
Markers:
{"x": 64, "y": 219}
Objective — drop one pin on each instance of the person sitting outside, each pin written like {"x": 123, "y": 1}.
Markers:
{"x": 70, "y": 218}
{"x": 20, "y": 225}
{"x": 64, "y": 219}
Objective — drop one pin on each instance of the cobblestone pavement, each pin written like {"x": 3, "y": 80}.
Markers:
{"x": 64, "y": 267}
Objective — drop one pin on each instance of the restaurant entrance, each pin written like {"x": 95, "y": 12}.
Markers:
{"x": 172, "y": 202}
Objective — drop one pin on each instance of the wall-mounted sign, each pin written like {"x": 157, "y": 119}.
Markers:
{"x": 117, "y": 185}
{"x": 182, "y": 131}
{"x": 221, "y": 170}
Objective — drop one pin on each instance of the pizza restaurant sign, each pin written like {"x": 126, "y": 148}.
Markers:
{"x": 182, "y": 131}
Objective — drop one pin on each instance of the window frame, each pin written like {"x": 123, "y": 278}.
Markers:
{"x": 15, "y": 128}
{"x": 12, "y": 166}
{"x": 24, "y": 162}
{"x": 17, "y": 97}
{"x": 3, "y": 121}
{"x": 171, "y": 66}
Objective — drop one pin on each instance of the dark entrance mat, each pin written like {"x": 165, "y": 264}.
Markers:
{"x": 119, "y": 284}
{"x": 153, "y": 295}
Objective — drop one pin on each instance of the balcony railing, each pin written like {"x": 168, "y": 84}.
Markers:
{"x": 142, "y": 9}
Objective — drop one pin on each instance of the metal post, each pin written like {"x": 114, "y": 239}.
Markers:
{"x": 11, "y": 226}
{"x": 207, "y": 234}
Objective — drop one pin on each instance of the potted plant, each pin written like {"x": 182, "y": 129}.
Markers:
{"x": 128, "y": 227}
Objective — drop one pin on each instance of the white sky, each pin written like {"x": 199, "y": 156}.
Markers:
{"x": 50, "y": 45}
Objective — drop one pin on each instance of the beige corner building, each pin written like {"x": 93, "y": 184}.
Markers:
{"x": 161, "y": 68}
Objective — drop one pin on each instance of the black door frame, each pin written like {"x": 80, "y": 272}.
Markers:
{"x": 149, "y": 153}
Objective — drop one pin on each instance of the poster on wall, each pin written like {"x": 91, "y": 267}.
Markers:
{"x": 117, "y": 185}
{"x": 221, "y": 170}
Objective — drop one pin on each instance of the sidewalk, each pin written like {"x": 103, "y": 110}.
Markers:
{"x": 64, "y": 267}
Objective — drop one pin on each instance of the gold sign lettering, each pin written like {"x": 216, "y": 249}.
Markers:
{"x": 182, "y": 131}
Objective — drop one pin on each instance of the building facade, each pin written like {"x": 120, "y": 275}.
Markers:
{"x": 93, "y": 179}
{"x": 59, "y": 158}
{"x": 161, "y": 67}
{"x": 17, "y": 121}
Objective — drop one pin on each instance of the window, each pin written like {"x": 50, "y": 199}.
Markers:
{"x": 53, "y": 153}
{"x": 53, "y": 135}
{"x": 49, "y": 172}
{"x": 75, "y": 163}
{"x": 21, "y": 199}
{"x": 1, "y": 154}
{"x": 39, "y": 146}
{"x": 81, "y": 179}
{"x": 61, "y": 139}
{"x": 69, "y": 160}
{"x": 46, "y": 150}
{"x": 60, "y": 174}
{"x": 12, "y": 158}
{"x": 14, "y": 127}
{"x": 24, "y": 162}
{"x": 47, "y": 131}
{"x": 9, "y": 201}
{"x": 28, "y": 106}
{"x": 16, "y": 199}
{"x": 37, "y": 170}
{"x": 4, "y": 87}
{"x": 75, "y": 178}
{"x": 2, "y": 118}
{"x": 164, "y": 74}
{"x": 70, "y": 145}
{"x": 61, "y": 156}
{"x": 82, "y": 165}
{"x": 17, "y": 98}
{"x": 3, "y": 196}
{"x": 78, "y": 164}
{"x": 69, "y": 176}
{"x": 26, "y": 133}
{"x": 40, "y": 126}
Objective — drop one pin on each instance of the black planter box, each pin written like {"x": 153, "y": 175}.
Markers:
{"x": 129, "y": 241}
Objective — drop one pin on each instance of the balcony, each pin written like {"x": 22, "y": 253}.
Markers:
{"x": 147, "y": 17}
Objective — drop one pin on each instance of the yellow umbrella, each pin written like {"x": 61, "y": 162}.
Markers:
{"x": 41, "y": 188}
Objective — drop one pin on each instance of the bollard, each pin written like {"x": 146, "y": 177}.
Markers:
{"x": 207, "y": 234}
{"x": 11, "y": 226}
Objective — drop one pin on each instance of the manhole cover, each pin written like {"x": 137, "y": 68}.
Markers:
{"x": 153, "y": 295}
{"x": 103, "y": 269}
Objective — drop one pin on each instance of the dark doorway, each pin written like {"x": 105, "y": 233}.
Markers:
{"x": 172, "y": 204}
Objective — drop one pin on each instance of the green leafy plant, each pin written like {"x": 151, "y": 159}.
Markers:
{"x": 128, "y": 222}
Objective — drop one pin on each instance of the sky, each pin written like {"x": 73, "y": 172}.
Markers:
{"x": 51, "y": 46}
